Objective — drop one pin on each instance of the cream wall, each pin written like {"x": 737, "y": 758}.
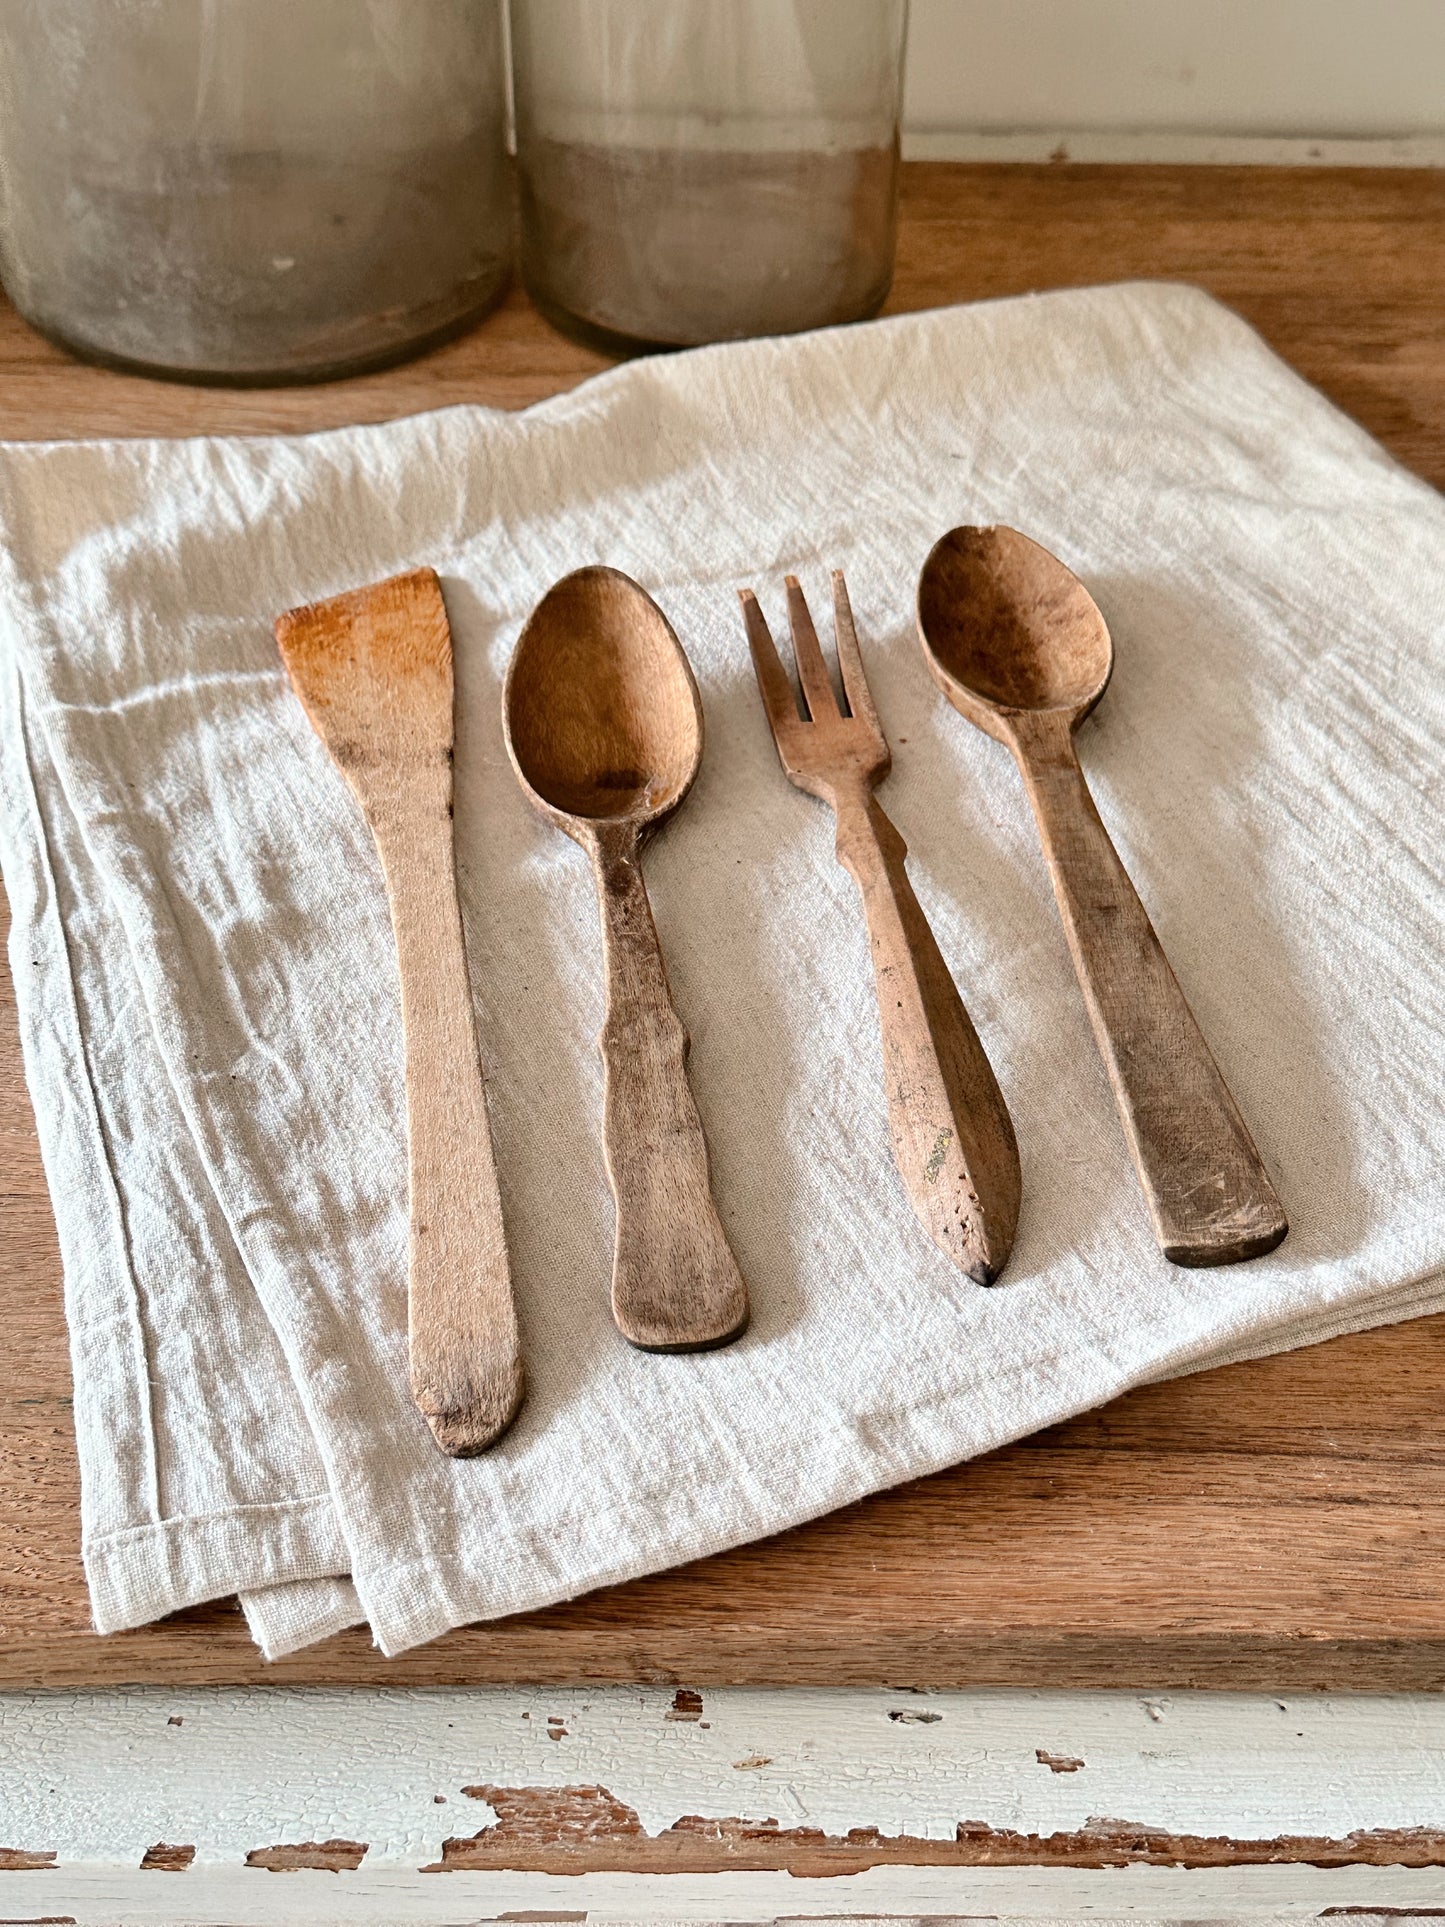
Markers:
{"x": 1330, "y": 69}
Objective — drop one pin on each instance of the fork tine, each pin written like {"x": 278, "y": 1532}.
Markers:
{"x": 773, "y": 685}
{"x": 808, "y": 654}
{"x": 850, "y": 659}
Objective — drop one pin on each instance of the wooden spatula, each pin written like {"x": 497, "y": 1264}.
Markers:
{"x": 373, "y": 670}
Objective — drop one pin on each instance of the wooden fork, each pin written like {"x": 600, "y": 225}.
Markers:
{"x": 953, "y": 1141}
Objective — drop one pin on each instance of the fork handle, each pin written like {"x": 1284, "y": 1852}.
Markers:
{"x": 953, "y": 1141}
{"x": 676, "y": 1286}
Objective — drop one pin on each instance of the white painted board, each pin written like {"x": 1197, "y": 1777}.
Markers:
{"x": 97, "y": 1778}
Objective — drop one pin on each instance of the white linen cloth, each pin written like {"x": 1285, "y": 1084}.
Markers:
{"x": 207, "y": 981}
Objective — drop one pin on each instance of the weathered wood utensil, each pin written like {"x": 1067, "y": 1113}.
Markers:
{"x": 1017, "y": 645}
{"x": 604, "y": 727}
{"x": 374, "y": 673}
{"x": 953, "y": 1141}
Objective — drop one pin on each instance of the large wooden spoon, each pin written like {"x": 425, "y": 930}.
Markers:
{"x": 374, "y": 673}
{"x": 1019, "y": 647}
{"x": 604, "y": 728}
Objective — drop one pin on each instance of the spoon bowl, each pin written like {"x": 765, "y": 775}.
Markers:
{"x": 604, "y": 728}
{"x": 603, "y": 717}
{"x": 1006, "y": 627}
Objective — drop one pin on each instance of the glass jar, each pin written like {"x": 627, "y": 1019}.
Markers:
{"x": 252, "y": 190}
{"x": 697, "y": 170}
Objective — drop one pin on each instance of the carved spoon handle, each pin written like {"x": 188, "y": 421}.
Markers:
{"x": 1208, "y": 1192}
{"x": 676, "y": 1286}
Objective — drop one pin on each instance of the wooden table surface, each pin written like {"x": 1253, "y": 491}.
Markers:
{"x": 1276, "y": 1525}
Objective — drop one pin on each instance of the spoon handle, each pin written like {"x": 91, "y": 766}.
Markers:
{"x": 953, "y": 1141}
{"x": 465, "y": 1354}
{"x": 1205, "y": 1184}
{"x": 676, "y": 1286}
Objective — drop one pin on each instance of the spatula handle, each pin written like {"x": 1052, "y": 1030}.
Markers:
{"x": 953, "y": 1141}
{"x": 1208, "y": 1193}
{"x": 465, "y": 1354}
{"x": 676, "y": 1286}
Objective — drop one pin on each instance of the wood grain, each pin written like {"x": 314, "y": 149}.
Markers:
{"x": 953, "y": 1140}
{"x": 603, "y": 722}
{"x": 1273, "y": 1525}
{"x": 373, "y": 670}
{"x": 1018, "y": 646}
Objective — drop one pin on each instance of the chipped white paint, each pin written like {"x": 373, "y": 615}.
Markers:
{"x": 103, "y": 1776}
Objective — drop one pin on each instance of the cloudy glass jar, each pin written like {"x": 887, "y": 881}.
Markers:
{"x": 698, "y": 170}
{"x": 252, "y": 190}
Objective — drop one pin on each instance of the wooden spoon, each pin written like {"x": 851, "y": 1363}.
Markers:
{"x": 604, "y": 727}
{"x": 374, "y": 673}
{"x": 1017, "y": 645}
